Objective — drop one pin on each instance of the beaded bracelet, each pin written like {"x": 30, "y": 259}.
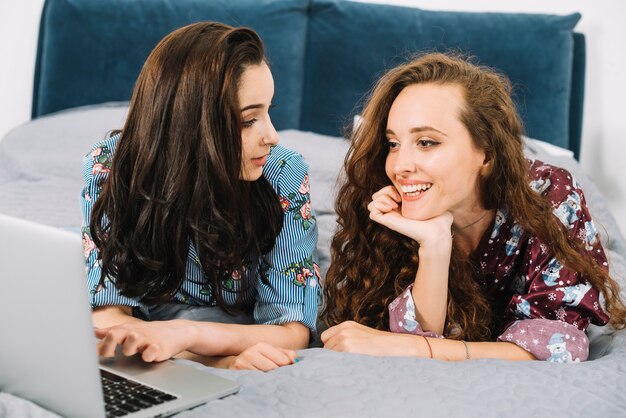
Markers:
{"x": 430, "y": 349}
{"x": 467, "y": 353}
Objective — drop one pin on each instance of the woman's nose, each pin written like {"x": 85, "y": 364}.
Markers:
{"x": 271, "y": 136}
{"x": 404, "y": 162}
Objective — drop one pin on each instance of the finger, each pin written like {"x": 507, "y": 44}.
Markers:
{"x": 392, "y": 220}
{"x": 252, "y": 359}
{"x": 387, "y": 200}
{"x": 328, "y": 334}
{"x": 332, "y": 343}
{"x": 395, "y": 194}
{"x": 279, "y": 356}
{"x": 373, "y": 211}
{"x": 328, "y": 343}
{"x": 378, "y": 216}
{"x": 106, "y": 346}
{"x": 292, "y": 354}
{"x": 133, "y": 343}
{"x": 152, "y": 352}
{"x": 389, "y": 191}
{"x": 101, "y": 332}
{"x": 381, "y": 206}
{"x": 263, "y": 363}
{"x": 334, "y": 330}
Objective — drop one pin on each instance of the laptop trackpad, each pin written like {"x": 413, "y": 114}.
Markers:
{"x": 133, "y": 365}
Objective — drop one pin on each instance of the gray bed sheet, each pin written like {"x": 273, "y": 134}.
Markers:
{"x": 40, "y": 180}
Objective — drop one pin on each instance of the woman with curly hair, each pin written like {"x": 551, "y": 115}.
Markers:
{"x": 198, "y": 230}
{"x": 451, "y": 244}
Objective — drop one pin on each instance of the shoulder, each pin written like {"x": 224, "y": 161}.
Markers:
{"x": 107, "y": 145}
{"x": 555, "y": 183}
{"x": 99, "y": 160}
{"x": 102, "y": 151}
{"x": 284, "y": 165}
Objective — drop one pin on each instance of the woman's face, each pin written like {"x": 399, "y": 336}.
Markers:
{"x": 257, "y": 132}
{"x": 432, "y": 159}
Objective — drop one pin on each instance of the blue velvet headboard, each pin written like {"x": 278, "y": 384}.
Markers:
{"x": 325, "y": 54}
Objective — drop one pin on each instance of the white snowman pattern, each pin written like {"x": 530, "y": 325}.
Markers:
{"x": 558, "y": 350}
{"x": 567, "y": 211}
{"x": 573, "y": 295}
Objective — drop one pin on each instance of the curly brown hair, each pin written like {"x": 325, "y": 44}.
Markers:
{"x": 371, "y": 264}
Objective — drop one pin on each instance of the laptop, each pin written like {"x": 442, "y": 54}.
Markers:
{"x": 47, "y": 344}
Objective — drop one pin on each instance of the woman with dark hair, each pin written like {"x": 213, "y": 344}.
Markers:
{"x": 453, "y": 241}
{"x": 192, "y": 211}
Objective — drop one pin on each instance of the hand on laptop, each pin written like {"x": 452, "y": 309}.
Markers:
{"x": 154, "y": 341}
{"x": 161, "y": 340}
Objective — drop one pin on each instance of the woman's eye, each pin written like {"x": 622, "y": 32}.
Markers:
{"x": 427, "y": 143}
{"x": 248, "y": 123}
{"x": 392, "y": 145}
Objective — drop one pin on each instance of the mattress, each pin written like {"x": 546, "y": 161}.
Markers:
{"x": 40, "y": 180}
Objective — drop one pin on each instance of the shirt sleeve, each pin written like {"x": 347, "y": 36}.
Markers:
{"x": 549, "y": 313}
{"x": 402, "y": 316}
{"x": 550, "y": 340}
{"x": 293, "y": 289}
{"x": 96, "y": 168}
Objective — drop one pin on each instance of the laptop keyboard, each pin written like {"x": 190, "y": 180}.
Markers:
{"x": 123, "y": 396}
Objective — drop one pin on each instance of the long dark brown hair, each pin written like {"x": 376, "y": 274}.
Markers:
{"x": 371, "y": 264}
{"x": 175, "y": 178}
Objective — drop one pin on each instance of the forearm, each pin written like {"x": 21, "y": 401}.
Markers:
{"x": 452, "y": 350}
{"x": 217, "y": 339}
{"x": 430, "y": 289}
{"x": 352, "y": 337}
{"x": 214, "y": 338}
{"x": 221, "y": 362}
{"x": 108, "y": 316}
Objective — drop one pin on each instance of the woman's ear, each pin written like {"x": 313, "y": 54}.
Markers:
{"x": 487, "y": 164}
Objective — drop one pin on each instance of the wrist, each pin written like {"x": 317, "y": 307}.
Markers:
{"x": 440, "y": 248}
{"x": 191, "y": 334}
{"x": 466, "y": 353}
{"x": 212, "y": 339}
{"x": 414, "y": 346}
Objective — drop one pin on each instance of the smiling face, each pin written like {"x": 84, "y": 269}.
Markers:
{"x": 432, "y": 159}
{"x": 256, "y": 90}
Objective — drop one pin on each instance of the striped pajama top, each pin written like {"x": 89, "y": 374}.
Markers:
{"x": 292, "y": 291}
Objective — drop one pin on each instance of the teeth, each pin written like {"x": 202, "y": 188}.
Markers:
{"x": 416, "y": 187}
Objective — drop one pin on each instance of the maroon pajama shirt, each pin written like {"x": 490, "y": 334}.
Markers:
{"x": 540, "y": 305}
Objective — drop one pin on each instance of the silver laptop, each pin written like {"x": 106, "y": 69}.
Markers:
{"x": 47, "y": 345}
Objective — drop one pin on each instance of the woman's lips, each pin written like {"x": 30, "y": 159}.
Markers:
{"x": 413, "y": 196}
{"x": 260, "y": 162}
{"x": 412, "y": 191}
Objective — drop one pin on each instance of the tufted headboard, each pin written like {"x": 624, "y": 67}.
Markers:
{"x": 325, "y": 54}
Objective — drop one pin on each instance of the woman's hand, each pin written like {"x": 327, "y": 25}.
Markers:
{"x": 352, "y": 337}
{"x": 155, "y": 341}
{"x": 263, "y": 357}
{"x": 385, "y": 209}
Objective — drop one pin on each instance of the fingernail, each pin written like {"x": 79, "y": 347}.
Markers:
{"x": 296, "y": 360}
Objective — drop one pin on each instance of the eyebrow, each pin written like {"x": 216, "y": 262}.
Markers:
{"x": 417, "y": 130}
{"x": 253, "y": 106}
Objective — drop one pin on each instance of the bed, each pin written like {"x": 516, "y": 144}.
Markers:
{"x": 89, "y": 54}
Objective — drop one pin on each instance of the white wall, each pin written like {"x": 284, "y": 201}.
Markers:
{"x": 19, "y": 24}
{"x": 604, "y": 127}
